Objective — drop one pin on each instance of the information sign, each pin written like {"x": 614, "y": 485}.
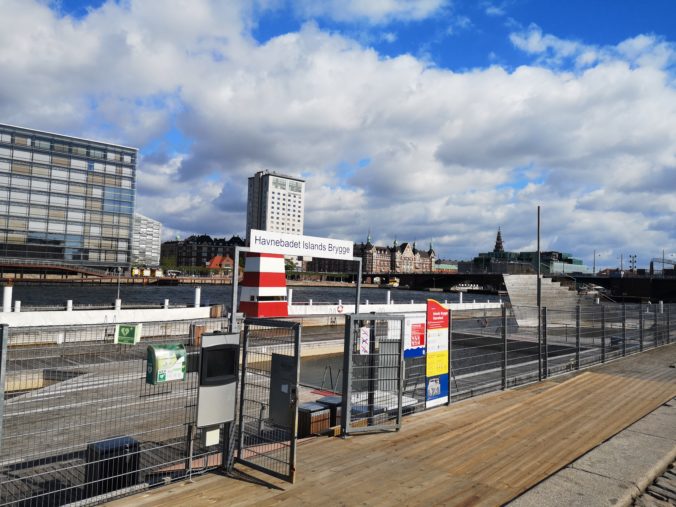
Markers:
{"x": 296, "y": 245}
{"x": 437, "y": 354}
{"x": 414, "y": 336}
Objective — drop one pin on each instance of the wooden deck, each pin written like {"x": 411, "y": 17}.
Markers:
{"x": 482, "y": 451}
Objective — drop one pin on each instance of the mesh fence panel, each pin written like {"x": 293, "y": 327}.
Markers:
{"x": 522, "y": 346}
{"x": 476, "y": 353}
{"x": 268, "y": 415}
{"x": 80, "y": 423}
{"x": 485, "y": 359}
{"x": 374, "y": 397}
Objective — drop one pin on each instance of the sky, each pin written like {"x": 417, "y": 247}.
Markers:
{"x": 434, "y": 121}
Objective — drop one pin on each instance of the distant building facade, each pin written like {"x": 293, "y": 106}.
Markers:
{"x": 146, "y": 241}
{"x": 404, "y": 258}
{"x": 275, "y": 202}
{"x": 198, "y": 250}
{"x": 502, "y": 261}
{"x": 65, "y": 198}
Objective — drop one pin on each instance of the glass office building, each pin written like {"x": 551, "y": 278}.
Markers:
{"x": 146, "y": 241}
{"x": 65, "y": 199}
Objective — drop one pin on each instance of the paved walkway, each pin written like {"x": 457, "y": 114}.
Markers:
{"x": 482, "y": 451}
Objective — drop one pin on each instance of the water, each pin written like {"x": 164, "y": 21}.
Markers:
{"x": 58, "y": 294}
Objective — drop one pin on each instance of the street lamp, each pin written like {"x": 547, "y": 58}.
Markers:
{"x": 119, "y": 271}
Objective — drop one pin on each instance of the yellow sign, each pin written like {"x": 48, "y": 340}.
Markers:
{"x": 437, "y": 363}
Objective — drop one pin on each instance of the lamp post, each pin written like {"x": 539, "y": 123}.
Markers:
{"x": 119, "y": 272}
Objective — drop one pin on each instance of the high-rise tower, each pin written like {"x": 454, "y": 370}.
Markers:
{"x": 275, "y": 203}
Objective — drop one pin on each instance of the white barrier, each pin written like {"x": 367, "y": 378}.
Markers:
{"x": 70, "y": 318}
{"x": 342, "y": 309}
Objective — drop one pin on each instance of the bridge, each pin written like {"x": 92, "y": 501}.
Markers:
{"x": 19, "y": 265}
{"x": 441, "y": 280}
{"x": 630, "y": 289}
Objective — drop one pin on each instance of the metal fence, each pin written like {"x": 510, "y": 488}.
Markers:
{"x": 491, "y": 349}
{"x": 373, "y": 385}
{"x": 79, "y": 421}
{"x": 495, "y": 352}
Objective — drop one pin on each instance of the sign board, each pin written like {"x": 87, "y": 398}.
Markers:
{"x": 414, "y": 336}
{"x": 437, "y": 369}
{"x": 128, "y": 334}
{"x": 166, "y": 363}
{"x": 364, "y": 340}
{"x": 293, "y": 244}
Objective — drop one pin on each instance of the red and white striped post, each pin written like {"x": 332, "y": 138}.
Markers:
{"x": 264, "y": 286}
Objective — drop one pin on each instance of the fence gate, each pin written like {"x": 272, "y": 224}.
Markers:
{"x": 373, "y": 383}
{"x": 268, "y": 415}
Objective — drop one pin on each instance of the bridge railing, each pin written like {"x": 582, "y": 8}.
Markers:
{"x": 9, "y": 261}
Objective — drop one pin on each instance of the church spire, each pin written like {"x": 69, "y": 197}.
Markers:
{"x": 499, "y": 248}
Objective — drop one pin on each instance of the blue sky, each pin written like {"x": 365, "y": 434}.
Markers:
{"x": 428, "y": 120}
{"x": 469, "y": 34}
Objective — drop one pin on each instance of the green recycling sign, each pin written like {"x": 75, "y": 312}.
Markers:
{"x": 127, "y": 334}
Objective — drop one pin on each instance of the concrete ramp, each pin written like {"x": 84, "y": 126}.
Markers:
{"x": 522, "y": 290}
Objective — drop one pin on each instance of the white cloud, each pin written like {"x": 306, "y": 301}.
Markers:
{"x": 372, "y": 11}
{"x": 389, "y": 37}
{"x": 642, "y": 50}
{"x": 448, "y": 156}
{"x": 552, "y": 48}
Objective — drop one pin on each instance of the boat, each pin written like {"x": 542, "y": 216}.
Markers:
{"x": 392, "y": 283}
{"x": 465, "y": 287}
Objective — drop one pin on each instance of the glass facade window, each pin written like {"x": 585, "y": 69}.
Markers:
{"x": 76, "y": 163}
{"x": 41, "y": 171}
{"x": 42, "y": 157}
{"x": 42, "y": 144}
{"x": 56, "y": 191}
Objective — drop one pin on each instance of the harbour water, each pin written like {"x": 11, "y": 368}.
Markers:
{"x": 57, "y": 295}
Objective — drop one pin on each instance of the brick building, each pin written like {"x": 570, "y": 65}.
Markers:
{"x": 198, "y": 250}
{"x": 404, "y": 258}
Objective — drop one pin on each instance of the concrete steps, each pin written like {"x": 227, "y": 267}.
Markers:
{"x": 522, "y": 290}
